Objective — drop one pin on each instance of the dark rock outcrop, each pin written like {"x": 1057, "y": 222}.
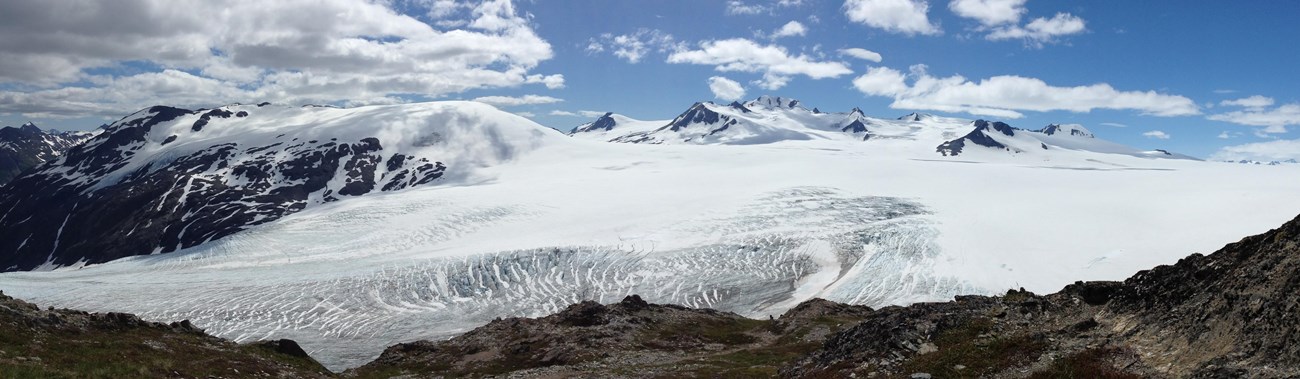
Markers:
{"x": 981, "y": 136}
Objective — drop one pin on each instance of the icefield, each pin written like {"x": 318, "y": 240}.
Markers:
{"x": 750, "y": 229}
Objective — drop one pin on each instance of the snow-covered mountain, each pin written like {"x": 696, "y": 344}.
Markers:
{"x": 998, "y": 136}
{"x": 349, "y": 230}
{"x": 770, "y": 120}
{"x": 1264, "y": 163}
{"x": 611, "y": 125}
{"x": 164, "y": 178}
{"x": 27, "y": 146}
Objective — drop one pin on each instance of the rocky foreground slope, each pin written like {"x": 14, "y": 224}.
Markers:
{"x": 50, "y": 343}
{"x": 1229, "y": 314}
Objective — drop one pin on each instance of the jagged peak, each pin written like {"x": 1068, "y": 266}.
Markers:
{"x": 604, "y": 122}
{"x": 738, "y": 106}
{"x": 915, "y": 116}
{"x": 775, "y": 102}
{"x": 1066, "y": 129}
{"x": 998, "y": 126}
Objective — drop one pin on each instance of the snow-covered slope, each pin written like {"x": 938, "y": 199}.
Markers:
{"x": 1053, "y": 140}
{"x": 164, "y": 179}
{"x": 27, "y": 146}
{"x": 611, "y": 125}
{"x": 546, "y": 220}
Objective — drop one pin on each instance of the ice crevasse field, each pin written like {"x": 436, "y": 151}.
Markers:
{"x": 530, "y": 219}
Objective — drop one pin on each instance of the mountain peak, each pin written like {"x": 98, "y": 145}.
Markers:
{"x": 1001, "y": 127}
{"x": 774, "y": 102}
{"x": 605, "y": 122}
{"x": 1066, "y": 129}
{"x": 30, "y": 127}
{"x": 915, "y": 116}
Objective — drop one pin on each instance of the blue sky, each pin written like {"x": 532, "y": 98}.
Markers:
{"x": 1207, "y": 78}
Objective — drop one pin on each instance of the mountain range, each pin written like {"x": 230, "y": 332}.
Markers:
{"x": 351, "y": 229}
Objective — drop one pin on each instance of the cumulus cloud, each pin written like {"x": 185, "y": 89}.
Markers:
{"x": 1007, "y": 95}
{"x": 726, "y": 89}
{"x": 634, "y": 46}
{"x": 1256, "y": 101}
{"x": 863, "y": 54}
{"x": 989, "y": 12}
{"x": 510, "y": 101}
{"x": 774, "y": 62}
{"x": 1041, "y": 31}
{"x": 1156, "y": 134}
{"x": 1279, "y": 150}
{"x": 790, "y": 29}
{"x": 909, "y": 17}
{"x": 1273, "y": 121}
{"x": 81, "y": 58}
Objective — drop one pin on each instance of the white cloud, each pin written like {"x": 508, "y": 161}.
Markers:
{"x": 1114, "y": 125}
{"x": 1225, "y": 91}
{"x": 633, "y": 47}
{"x": 1279, "y": 150}
{"x": 737, "y": 7}
{"x": 726, "y": 89}
{"x": 1273, "y": 120}
{"x": 1256, "y": 101}
{"x": 292, "y": 51}
{"x": 1005, "y": 96}
{"x": 907, "y": 17}
{"x": 577, "y": 114}
{"x": 774, "y": 62}
{"x": 790, "y": 29}
{"x": 1041, "y": 31}
{"x": 1226, "y": 134}
{"x": 526, "y": 114}
{"x": 989, "y": 12}
{"x": 863, "y": 54}
{"x": 510, "y": 101}
{"x": 1156, "y": 134}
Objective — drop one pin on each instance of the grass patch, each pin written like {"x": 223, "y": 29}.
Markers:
{"x": 1089, "y": 364}
{"x": 980, "y": 357}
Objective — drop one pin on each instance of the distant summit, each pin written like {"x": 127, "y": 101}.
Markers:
{"x": 27, "y": 146}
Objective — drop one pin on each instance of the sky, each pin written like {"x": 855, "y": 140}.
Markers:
{"x": 1207, "y": 78}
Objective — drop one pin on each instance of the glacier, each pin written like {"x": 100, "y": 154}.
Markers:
{"x": 752, "y": 229}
